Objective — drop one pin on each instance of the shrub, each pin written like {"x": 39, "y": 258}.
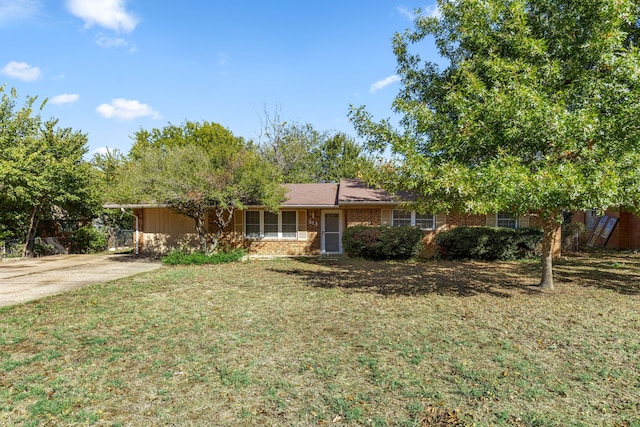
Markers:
{"x": 40, "y": 248}
{"x": 489, "y": 243}
{"x": 87, "y": 240}
{"x": 184, "y": 256}
{"x": 378, "y": 243}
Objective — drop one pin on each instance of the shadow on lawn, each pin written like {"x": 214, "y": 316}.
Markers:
{"x": 616, "y": 272}
{"x": 499, "y": 279}
{"x": 396, "y": 278}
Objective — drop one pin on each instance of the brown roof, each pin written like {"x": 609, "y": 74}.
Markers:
{"x": 311, "y": 195}
{"x": 356, "y": 191}
{"x": 349, "y": 191}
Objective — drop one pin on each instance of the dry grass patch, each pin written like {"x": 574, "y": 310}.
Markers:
{"x": 324, "y": 341}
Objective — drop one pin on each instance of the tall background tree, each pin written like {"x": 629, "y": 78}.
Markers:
{"x": 197, "y": 169}
{"x": 536, "y": 111}
{"x": 302, "y": 154}
{"x": 43, "y": 174}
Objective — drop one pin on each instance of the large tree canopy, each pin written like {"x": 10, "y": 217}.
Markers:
{"x": 302, "y": 154}
{"x": 213, "y": 173}
{"x": 537, "y": 110}
{"x": 42, "y": 171}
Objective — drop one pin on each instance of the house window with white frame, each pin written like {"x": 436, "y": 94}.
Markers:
{"x": 270, "y": 225}
{"x": 252, "y": 224}
{"x": 404, "y": 218}
{"x": 506, "y": 220}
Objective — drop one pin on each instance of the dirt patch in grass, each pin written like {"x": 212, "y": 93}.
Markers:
{"x": 332, "y": 341}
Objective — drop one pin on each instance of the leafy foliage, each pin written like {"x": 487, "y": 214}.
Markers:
{"x": 42, "y": 171}
{"x": 489, "y": 243}
{"x": 380, "y": 243}
{"x": 536, "y": 112}
{"x": 184, "y": 256}
{"x": 213, "y": 174}
{"x": 87, "y": 240}
{"x": 300, "y": 153}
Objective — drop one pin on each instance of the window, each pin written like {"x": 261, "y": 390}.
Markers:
{"x": 506, "y": 220}
{"x": 402, "y": 218}
{"x": 252, "y": 224}
{"x": 289, "y": 224}
{"x": 269, "y": 225}
{"x": 425, "y": 221}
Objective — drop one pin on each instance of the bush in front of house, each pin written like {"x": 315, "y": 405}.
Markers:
{"x": 379, "y": 243}
{"x": 86, "y": 240}
{"x": 489, "y": 243}
{"x": 184, "y": 256}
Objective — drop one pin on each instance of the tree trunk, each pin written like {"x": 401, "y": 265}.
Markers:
{"x": 31, "y": 233}
{"x": 203, "y": 234}
{"x": 549, "y": 229}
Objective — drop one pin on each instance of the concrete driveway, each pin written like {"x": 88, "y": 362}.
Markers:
{"x": 28, "y": 279}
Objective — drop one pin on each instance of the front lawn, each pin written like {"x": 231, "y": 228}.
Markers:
{"x": 332, "y": 341}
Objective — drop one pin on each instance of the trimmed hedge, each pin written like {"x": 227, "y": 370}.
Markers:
{"x": 489, "y": 243}
{"x": 383, "y": 242}
{"x": 182, "y": 256}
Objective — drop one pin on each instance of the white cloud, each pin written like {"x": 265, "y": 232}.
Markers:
{"x": 21, "y": 71}
{"x": 111, "y": 14}
{"x": 107, "y": 42}
{"x": 11, "y": 10}
{"x": 65, "y": 98}
{"x": 406, "y": 12}
{"x": 433, "y": 11}
{"x": 126, "y": 109}
{"x": 381, "y": 84}
{"x": 114, "y": 42}
{"x": 102, "y": 150}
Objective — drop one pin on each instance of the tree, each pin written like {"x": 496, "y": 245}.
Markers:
{"x": 536, "y": 111}
{"x": 108, "y": 166}
{"x": 339, "y": 156}
{"x": 289, "y": 148}
{"x": 42, "y": 171}
{"x": 189, "y": 133}
{"x": 302, "y": 154}
{"x": 215, "y": 174}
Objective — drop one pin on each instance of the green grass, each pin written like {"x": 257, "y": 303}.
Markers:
{"x": 332, "y": 341}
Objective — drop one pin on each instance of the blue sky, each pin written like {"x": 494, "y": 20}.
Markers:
{"x": 111, "y": 67}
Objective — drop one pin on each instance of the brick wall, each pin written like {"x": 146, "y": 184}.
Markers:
{"x": 361, "y": 216}
{"x": 234, "y": 237}
{"x": 457, "y": 220}
{"x": 626, "y": 235}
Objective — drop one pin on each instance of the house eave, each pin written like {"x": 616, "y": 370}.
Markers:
{"x": 298, "y": 207}
{"x": 133, "y": 205}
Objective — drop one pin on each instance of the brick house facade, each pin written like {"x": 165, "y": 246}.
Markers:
{"x": 310, "y": 221}
{"x": 626, "y": 234}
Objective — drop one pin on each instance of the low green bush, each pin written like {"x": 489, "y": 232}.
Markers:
{"x": 40, "y": 248}
{"x": 87, "y": 240}
{"x": 182, "y": 256}
{"x": 489, "y": 243}
{"x": 378, "y": 243}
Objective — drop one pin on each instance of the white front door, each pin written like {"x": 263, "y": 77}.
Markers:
{"x": 331, "y": 242}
